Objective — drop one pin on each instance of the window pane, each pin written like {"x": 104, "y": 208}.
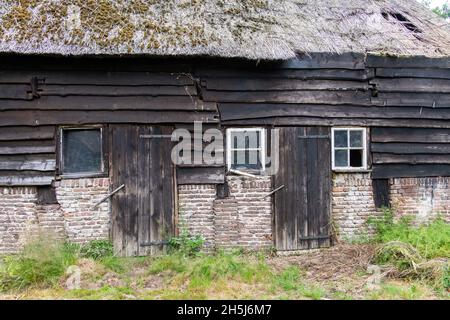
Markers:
{"x": 82, "y": 151}
{"x": 245, "y": 139}
{"x": 246, "y": 159}
{"x": 356, "y": 139}
{"x": 356, "y": 158}
{"x": 340, "y": 139}
{"x": 341, "y": 158}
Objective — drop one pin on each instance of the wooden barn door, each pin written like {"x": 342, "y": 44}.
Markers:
{"x": 302, "y": 207}
{"x": 143, "y": 213}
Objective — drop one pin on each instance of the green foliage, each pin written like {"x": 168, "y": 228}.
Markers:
{"x": 113, "y": 263}
{"x": 172, "y": 263}
{"x": 446, "y": 278}
{"x": 443, "y": 11}
{"x": 186, "y": 244}
{"x": 42, "y": 262}
{"x": 417, "y": 252}
{"x": 290, "y": 280}
{"x": 97, "y": 249}
{"x": 431, "y": 240}
{"x": 202, "y": 270}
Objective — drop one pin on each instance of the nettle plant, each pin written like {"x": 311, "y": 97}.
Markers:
{"x": 186, "y": 243}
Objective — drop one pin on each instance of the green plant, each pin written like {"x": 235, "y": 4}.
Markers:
{"x": 414, "y": 251}
{"x": 97, "y": 249}
{"x": 431, "y": 240}
{"x": 186, "y": 244}
{"x": 289, "y": 279}
{"x": 42, "y": 262}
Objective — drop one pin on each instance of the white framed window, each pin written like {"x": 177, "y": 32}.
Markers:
{"x": 246, "y": 149}
{"x": 349, "y": 149}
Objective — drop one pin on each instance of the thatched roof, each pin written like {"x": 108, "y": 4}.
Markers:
{"x": 254, "y": 29}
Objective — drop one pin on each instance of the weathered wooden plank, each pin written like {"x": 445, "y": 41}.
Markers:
{"x": 231, "y": 111}
{"x": 407, "y": 62}
{"x": 410, "y": 171}
{"x": 324, "y": 61}
{"x": 92, "y": 103}
{"x": 307, "y": 97}
{"x": 315, "y": 121}
{"x": 116, "y": 91}
{"x": 211, "y": 72}
{"x": 208, "y": 175}
{"x": 244, "y": 84}
{"x": 411, "y": 148}
{"x": 414, "y": 99}
{"x": 381, "y": 193}
{"x": 27, "y": 133}
{"x": 87, "y": 77}
{"x": 413, "y": 73}
{"x": 40, "y": 117}
{"x": 412, "y": 85}
{"x": 389, "y": 158}
{"x": 426, "y": 135}
{"x": 43, "y": 165}
{"x": 15, "y": 91}
{"x": 30, "y": 180}
{"x": 27, "y": 150}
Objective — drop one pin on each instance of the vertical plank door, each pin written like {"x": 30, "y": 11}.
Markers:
{"x": 143, "y": 214}
{"x": 302, "y": 207}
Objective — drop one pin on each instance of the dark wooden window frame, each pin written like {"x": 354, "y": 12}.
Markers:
{"x": 104, "y": 156}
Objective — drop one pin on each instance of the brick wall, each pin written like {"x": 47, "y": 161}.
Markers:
{"x": 77, "y": 198}
{"x": 243, "y": 219}
{"x": 195, "y": 207}
{"x": 352, "y": 201}
{"x": 72, "y": 218}
{"x": 17, "y": 215}
{"x": 423, "y": 198}
{"x": 352, "y": 204}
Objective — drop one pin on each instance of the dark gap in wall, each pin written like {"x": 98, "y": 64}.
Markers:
{"x": 402, "y": 19}
{"x": 46, "y": 195}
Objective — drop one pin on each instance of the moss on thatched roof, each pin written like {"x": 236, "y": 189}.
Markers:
{"x": 254, "y": 29}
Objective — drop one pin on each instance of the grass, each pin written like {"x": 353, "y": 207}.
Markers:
{"x": 419, "y": 252}
{"x": 431, "y": 240}
{"x": 186, "y": 273}
{"x": 42, "y": 262}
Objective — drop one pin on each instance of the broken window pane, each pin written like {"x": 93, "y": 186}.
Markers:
{"x": 82, "y": 151}
{"x": 356, "y": 158}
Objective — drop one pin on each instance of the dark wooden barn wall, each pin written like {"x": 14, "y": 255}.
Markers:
{"x": 412, "y": 152}
{"x": 37, "y": 94}
{"x": 27, "y": 155}
{"x": 407, "y": 97}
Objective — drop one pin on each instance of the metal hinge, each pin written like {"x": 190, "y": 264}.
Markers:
{"x": 154, "y": 243}
{"x": 315, "y": 237}
{"x": 314, "y": 137}
{"x": 155, "y": 136}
